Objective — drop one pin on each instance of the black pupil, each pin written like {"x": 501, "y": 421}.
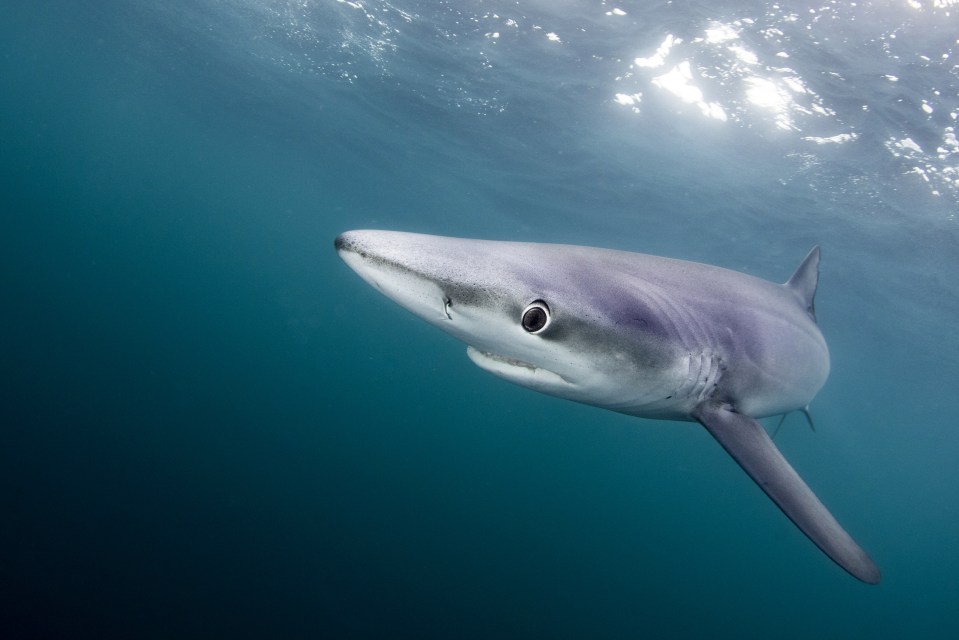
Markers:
{"x": 534, "y": 319}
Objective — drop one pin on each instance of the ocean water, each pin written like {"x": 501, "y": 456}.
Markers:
{"x": 212, "y": 428}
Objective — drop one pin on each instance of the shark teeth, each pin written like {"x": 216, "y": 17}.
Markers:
{"x": 515, "y": 370}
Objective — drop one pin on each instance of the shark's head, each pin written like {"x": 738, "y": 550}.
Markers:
{"x": 529, "y": 313}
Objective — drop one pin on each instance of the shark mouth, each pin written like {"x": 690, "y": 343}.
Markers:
{"x": 518, "y": 371}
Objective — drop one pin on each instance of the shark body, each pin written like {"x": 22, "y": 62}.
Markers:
{"x": 642, "y": 335}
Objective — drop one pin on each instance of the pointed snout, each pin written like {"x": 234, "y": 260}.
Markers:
{"x": 370, "y": 252}
{"x": 342, "y": 242}
{"x": 434, "y": 258}
{"x": 350, "y": 242}
{"x": 396, "y": 248}
{"x": 404, "y": 267}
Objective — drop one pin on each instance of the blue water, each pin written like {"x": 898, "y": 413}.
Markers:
{"x": 212, "y": 428}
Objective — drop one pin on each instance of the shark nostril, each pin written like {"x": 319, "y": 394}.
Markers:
{"x": 447, "y": 303}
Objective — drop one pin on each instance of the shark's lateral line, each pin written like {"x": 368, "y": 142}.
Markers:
{"x": 643, "y": 335}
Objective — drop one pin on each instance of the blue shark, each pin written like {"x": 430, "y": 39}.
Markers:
{"x": 642, "y": 335}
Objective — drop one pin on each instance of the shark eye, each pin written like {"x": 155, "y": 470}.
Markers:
{"x": 535, "y": 317}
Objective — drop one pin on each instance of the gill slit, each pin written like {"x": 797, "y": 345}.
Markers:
{"x": 703, "y": 365}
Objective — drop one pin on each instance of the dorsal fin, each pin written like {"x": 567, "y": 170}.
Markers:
{"x": 803, "y": 282}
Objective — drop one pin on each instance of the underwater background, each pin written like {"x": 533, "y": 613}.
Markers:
{"x": 212, "y": 428}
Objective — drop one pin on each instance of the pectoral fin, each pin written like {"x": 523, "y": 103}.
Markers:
{"x": 749, "y": 444}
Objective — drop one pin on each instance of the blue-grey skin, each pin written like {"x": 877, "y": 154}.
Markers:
{"x": 643, "y": 335}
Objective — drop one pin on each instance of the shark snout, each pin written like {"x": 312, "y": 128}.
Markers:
{"x": 368, "y": 253}
{"x": 399, "y": 266}
{"x": 342, "y": 242}
{"x": 391, "y": 249}
{"x": 349, "y": 241}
